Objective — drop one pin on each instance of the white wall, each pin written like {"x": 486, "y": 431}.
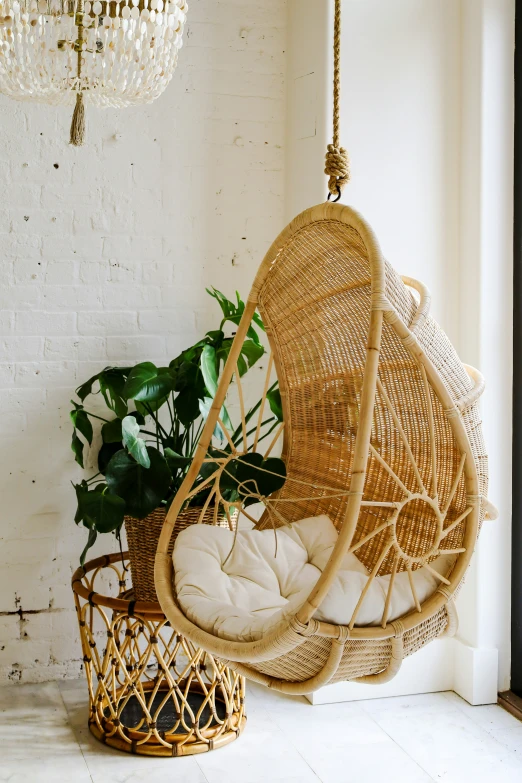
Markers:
{"x": 427, "y": 118}
{"x": 105, "y": 252}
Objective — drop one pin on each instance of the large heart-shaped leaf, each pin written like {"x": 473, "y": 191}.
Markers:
{"x": 143, "y": 489}
{"x": 250, "y": 475}
{"x": 106, "y": 453}
{"x": 148, "y": 383}
{"x": 188, "y": 376}
{"x": 186, "y": 406}
{"x": 132, "y": 441}
{"x": 101, "y": 510}
{"x": 176, "y": 461}
{"x": 111, "y": 431}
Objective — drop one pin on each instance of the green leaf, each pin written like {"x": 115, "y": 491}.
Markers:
{"x": 106, "y": 453}
{"x": 227, "y": 307}
{"x": 276, "y": 406}
{"x": 146, "y": 408}
{"x": 209, "y": 369}
{"x": 250, "y": 475}
{"x": 102, "y": 511}
{"x": 189, "y": 376}
{"x": 252, "y": 352}
{"x": 93, "y": 535}
{"x": 77, "y": 447}
{"x": 131, "y": 440}
{"x": 111, "y": 431}
{"x": 82, "y": 423}
{"x": 186, "y": 406}
{"x": 80, "y": 490}
{"x": 204, "y": 408}
{"x": 142, "y": 489}
{"x": 216, "y": 337}
{"x": 147, "y": 383}
{"x": 259, "y": 321}
{"x": 242, "y": 366}
{"x": 85, "y": 389}
{"x": 176, "y": 461}
{"x": 112, "y": 383}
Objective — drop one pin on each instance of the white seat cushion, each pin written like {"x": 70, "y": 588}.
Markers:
{"x": 256, "y": 588}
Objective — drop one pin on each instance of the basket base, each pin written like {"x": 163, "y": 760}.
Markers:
{"x": 177, "y": 742}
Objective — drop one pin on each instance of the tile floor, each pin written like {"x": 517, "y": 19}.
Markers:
{"x": 414, "y": 739}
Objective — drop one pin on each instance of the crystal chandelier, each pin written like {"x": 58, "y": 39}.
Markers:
{"x": 108, "y": 52}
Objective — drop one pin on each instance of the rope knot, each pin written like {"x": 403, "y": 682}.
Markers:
{"x": 304, "y": 629}
{"x": 337, "y": 167}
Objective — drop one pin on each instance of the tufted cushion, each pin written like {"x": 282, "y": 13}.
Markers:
{"x": 258, "y": 587}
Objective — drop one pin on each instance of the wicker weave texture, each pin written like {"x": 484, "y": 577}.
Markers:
{"x": 316, "y": 303}
{"x": 142, "y": 540}
{"x": 382, "y": 433}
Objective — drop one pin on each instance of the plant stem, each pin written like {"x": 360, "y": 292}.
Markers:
{"x": 159, "y": 428}
{"x": 171, "y": 414}
{"x": 240, "y": 436}
{"x": 94, "y": 416}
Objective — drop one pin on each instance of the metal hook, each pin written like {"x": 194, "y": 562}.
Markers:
{"x": 338, "y": 195}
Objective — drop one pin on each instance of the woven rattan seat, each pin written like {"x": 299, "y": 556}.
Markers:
{"x": 382, "y": 433}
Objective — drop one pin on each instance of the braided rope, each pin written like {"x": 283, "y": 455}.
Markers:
{"x": 337, "y": 163}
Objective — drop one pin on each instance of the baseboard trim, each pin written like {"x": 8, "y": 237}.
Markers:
{"x": 475, "y": 673}
{"x": 511, "y": 702}
{"x": 443, "y": 665}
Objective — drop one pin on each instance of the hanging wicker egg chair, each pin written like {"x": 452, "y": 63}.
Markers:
{"x": 382, "y": 435}
{"x": 382, "y": 429}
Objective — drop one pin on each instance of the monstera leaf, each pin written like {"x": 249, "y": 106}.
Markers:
{"x": 250, "y": 475}
{"x": 148, "y": 383}
{"x": 143, "y": 489}
{"x": 100, "y": 510}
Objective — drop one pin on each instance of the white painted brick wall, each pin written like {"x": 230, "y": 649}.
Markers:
{"x": 105, "y": 252}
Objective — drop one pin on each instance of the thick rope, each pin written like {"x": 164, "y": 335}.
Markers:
{"x": 337, "y": 164}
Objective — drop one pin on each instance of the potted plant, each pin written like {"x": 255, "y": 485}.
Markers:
{"x": 150, "y": 422}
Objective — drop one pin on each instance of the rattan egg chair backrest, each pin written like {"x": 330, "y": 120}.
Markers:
{"x": 365, "y": 406}
{"x": 316, "y": 301}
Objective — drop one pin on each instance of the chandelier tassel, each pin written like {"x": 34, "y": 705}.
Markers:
{"x": 78, "y": 122}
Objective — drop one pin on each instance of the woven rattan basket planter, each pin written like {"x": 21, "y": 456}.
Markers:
{"x": 151, "y": 691}
{"x": 142, "y": 540}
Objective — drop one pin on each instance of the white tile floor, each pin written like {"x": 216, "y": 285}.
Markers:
{"x": 415, "y": 739}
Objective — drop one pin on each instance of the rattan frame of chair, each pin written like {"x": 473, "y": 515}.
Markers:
{"x": 307, "y": 654}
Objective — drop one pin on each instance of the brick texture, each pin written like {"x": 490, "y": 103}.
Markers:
{"x": 105, "y": 252}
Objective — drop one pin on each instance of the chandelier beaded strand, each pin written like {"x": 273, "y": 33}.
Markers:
{"x": 337, "y": 164}
{"x": 105, "y": 52}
